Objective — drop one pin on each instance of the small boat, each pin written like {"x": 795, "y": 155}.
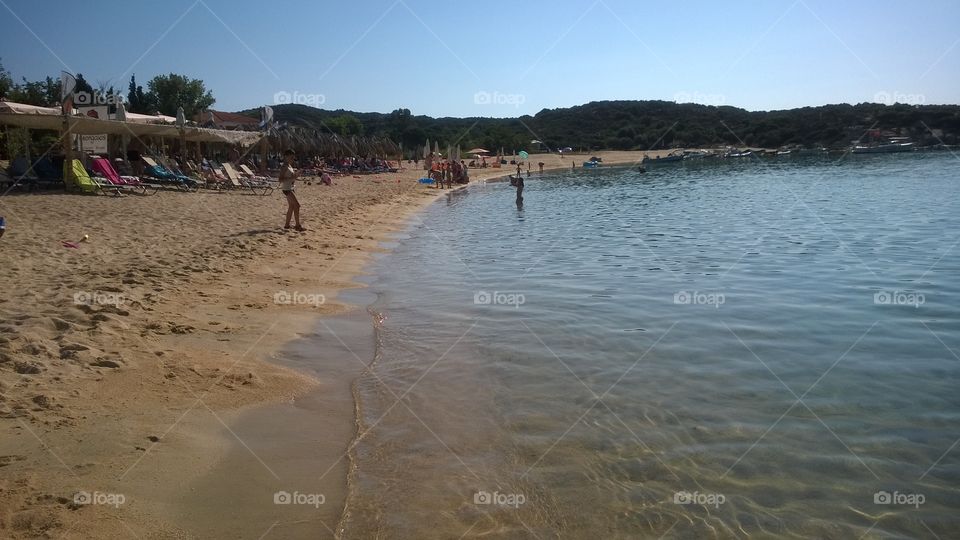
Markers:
{"x": 745, "y": 153}
{"x": 784, "y": 152}
{"x": 591, "y": 164}
{"x": 894, "y": 146}
{"x": 676, "y": 155}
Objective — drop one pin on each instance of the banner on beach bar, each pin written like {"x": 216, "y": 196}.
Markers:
{"x": 96, "y": 144}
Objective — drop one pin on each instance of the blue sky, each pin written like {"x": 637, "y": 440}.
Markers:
{"x": 500, "y": 58}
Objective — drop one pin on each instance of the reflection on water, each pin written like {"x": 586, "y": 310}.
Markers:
{"x": 695, "y": 352}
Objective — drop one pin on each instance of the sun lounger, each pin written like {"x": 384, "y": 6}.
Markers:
{"x": 40, "y": 174}
{"x": 253, "y": 176}
{"x": 77, "y": 179}
{"x": 21, "y": 170}
{"x": 258, "y": 188}
{"x": 21, "y": 174}
{"x": 6, "y": 181}
{"x": 172, "y": 166}
{"x": 103, "y": 167}
{"x": 166, "y": 177}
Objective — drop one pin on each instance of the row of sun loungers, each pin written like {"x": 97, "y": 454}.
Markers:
{"x": 100, "y": 176}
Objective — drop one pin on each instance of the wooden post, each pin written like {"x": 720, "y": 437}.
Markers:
{"x": 67, "y": 152}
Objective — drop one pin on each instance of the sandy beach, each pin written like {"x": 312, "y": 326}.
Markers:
{"x": 146, "y": 361}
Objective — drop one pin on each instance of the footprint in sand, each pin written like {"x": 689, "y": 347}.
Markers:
{"x": 7, "y": 460}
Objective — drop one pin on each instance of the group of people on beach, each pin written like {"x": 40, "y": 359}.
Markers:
{"x": 449, "y": 173}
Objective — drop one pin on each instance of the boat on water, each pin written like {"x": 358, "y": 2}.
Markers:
{"x": 745, "y": 153}
{"x": 591, "y": 164}
{"x": 676, "y": 155}
{"x": 695, "y": 154}
{"x": 891, "y": 146}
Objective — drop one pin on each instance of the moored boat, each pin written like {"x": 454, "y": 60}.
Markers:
{"x": 885, "y": 148}
{"x": 676, "y": 155}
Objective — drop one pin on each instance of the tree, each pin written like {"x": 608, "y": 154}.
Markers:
{"x": 83, "y": 85}
{"x": 167, "y": 92}
{"x": 136, "y": 98}
{"x": 45, "y": 93}
{"x": 346, "y": 124}
{"x": 6, "y": 82}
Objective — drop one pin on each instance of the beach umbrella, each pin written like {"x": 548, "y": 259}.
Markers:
{"x": 436, "y": 148}
{"x": 478, "y": 151}
{"x": 182, "y": 125}
{"x": 523, "y": 154}
{"x": 426, "y": 149}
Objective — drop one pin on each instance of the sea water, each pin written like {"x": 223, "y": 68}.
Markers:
{"x": 764, "y": 348}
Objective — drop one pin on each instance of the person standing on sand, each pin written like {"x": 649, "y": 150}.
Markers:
{"x": 541, "y": 167}
{"x": 288, "y": 176}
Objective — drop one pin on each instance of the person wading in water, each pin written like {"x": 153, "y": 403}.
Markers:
{"x": 519, "y": 191}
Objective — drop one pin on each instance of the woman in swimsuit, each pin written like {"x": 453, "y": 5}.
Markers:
{"x": 288, "y": 176}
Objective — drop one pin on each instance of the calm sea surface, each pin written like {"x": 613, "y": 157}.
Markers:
{"x": 765, "y": 349}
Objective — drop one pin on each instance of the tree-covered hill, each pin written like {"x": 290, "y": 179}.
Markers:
{"x": 643, "y": 125}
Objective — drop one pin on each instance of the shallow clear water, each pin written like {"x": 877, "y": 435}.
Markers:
{"x": 758, "y": 348}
